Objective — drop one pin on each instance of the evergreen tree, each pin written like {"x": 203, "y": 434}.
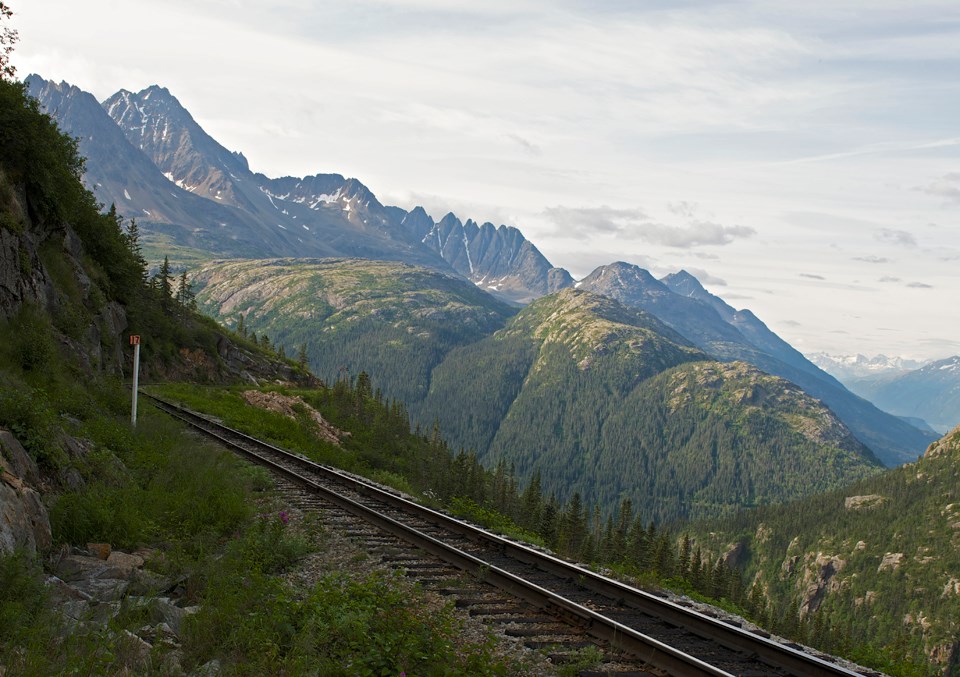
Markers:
{"x": 683, "y": 560}
{"x": 531, "y": 502}
{"x": 186, "y": 298}
{"x": 132, "y": 238}
{"x": 165, "y": 286}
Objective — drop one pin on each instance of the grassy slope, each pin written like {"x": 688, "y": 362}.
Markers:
{"x": 389, "y": 319}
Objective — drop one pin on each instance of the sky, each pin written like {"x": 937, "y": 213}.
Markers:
{"x": 802, "y": 159}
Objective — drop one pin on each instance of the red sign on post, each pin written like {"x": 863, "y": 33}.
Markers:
{"x": 134, "y": 339}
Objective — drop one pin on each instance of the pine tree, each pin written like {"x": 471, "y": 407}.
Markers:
{"x": 165, "y": 286}
{"x": 132, "y": 238}
{"x": 683, "y": 561}
{"x": 186, "y": 299}
{"x": 531, "y": 502}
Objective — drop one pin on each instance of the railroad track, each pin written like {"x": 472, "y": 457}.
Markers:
{"x": 638, "y": 624}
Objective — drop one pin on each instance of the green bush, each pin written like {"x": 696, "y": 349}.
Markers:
{"x": 22, "y": 595}
{"x": 28, "y": 414}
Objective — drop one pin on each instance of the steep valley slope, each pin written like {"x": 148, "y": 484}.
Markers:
{"x": 876, "y": 563}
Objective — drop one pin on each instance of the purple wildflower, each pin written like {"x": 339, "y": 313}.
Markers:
{"x": 284, "y": 517}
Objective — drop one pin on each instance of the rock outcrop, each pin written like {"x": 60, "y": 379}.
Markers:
{"x": 285, "y": 404}
{"x": 819, "y": 579}
{"x": 92, "y": 586}
{"x": 24, "y": 522}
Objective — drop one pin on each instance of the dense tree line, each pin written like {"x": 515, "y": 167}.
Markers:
{"x": 694, "y": 557}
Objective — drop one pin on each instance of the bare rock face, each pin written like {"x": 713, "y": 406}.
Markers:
{"x": 863, "y": 502}
{"x": 948, "y": 444}
{"x": 284, "y": 404}
{"x": 891, "y": 561}
{"x": 24, "y": 522}
{"x": 22, "y": 278}
{"x": 819, "y": 578}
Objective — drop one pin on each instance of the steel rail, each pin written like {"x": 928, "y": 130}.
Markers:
{"x": 620, "y": 636}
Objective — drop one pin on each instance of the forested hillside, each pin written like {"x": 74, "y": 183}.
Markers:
{"x": 349, "y": 315}
{"x": 875, "y": 564}
{"x": 389, "y": 319}
{"x": 606, "y": 401}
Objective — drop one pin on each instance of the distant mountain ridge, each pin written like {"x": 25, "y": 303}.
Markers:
{"x": 912, "y": 389}
{"x": 844, "y": 367}
{"x": 931, "y": 393}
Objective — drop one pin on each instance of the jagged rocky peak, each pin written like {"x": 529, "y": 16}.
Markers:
{"x": 39, "y": 88}
{"x": 354, "y": 190}
{"x": 154, "y": 121}
{"x": 683, "y": 283}
{"x": 417, "y": 222}
{"x": 497, "y": 259}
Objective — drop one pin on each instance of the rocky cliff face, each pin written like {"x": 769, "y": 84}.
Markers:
{"x": 24, "y": 523}
{"x": 41, "y": 266}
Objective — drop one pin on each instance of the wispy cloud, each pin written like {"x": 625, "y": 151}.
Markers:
{"x": 583, "y": 222}
{"x": 898, "y": 237}
{"x": 527, "y": 145}
{"x": 705, "y": 277}
{"x": 919, "y": 285}
{"x": 811, "y": 276}
{"x": 683, "y": 208}
{"x": 872, "y": 259}
{"x": 889, "y": 278}
{"x": 947, "y": 186}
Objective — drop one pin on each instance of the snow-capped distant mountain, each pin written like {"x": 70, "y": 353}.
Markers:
{"x": 856, "y": 366}
{"x": 931, "y": 392}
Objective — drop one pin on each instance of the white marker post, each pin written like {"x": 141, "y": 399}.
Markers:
{"x": 135, "y": 342}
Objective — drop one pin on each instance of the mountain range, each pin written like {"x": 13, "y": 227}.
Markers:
{"x": 149, "y": 157}
{"x": 846, "y": 367}
{"x": 197, "y": 200}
